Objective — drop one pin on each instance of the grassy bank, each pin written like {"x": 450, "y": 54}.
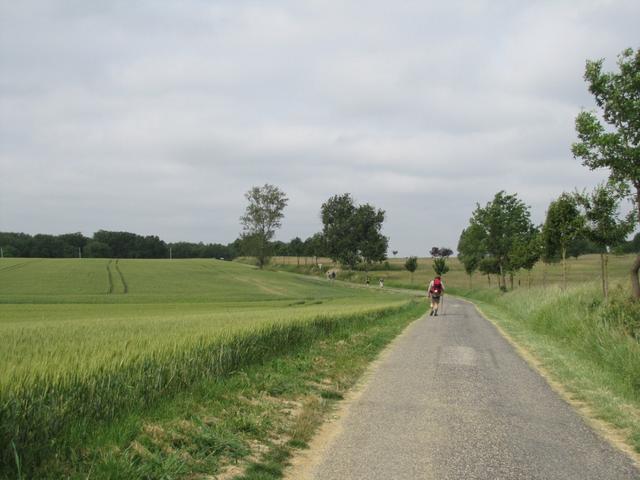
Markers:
{"x": 590, "y": 347}
{"x": 239, "y": 405}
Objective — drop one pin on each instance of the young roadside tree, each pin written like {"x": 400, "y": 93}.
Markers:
{"x": 262, "y": 217}
{"x": 504, "y": 221}
{"x": 395, "y": 252}
{"x": 440, "y": 256}
{"x": 564, "y": 223}
{"x": 296, "y": 248}
{"x": 411, "y": 265}
{"x": 489, "y": 266}
{"x": 471, "y": 249}
{"x": 353, "y": 233}
{"x": 618, "y": 147}
{"x": 527, "y": 252}
{"x": 603, "y": 224}
{"x": 316, "y": 246}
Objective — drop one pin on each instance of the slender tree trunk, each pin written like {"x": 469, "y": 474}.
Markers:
{"x": 489, "y": 279}
{"x": 470, "y": 283}
{"x": 635, "y": 269}
{"x": 544, "y": 274}
{"x": 511, "y": 279}
{"x": 606, "y": 276}
{"x": 564, "y": 268}
{"x": 603, "y": 275}
{"x": 528, "y": 278}
{"x": 503, "y": 278}
{"x": 635, "y": 282}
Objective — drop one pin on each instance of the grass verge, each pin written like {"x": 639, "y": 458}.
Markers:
{"x": 589, "y": 347}
{"x": 239, "y": 411}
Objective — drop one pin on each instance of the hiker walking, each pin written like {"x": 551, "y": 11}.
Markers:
{"x": 435, "y": 292}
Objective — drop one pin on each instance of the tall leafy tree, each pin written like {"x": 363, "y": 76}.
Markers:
{"x": 505, "y": 221}
{"x": 263, "y": 215}
{"x": 372, "y": 245}
{"x": 616, "y": 147}
{"x": 604, "y": 227}
{"x": 339, "y": 230}
{"x": 353, "y": 234}
{"x": 471, "y": 249}
{"x": 564, "y": 223}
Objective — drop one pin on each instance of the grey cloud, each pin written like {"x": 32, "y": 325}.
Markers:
{"x": 156, "y": 117}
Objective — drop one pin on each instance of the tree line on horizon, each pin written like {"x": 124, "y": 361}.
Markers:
{"x": 107, "y": 244}
{"x": 113, "y": 244}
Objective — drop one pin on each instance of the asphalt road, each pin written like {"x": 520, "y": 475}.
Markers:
{"x": 453, "y": 400}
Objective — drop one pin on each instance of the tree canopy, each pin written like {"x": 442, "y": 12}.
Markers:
{"x": 616, "y": 147}
{"x": 501, "y": 225}
{"x": 352, "y": 233}
{"x": 263, "y": 215}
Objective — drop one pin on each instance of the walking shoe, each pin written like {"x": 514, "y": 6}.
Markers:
{"x": 431, "y": 313}
{"x": 435, "y": 314}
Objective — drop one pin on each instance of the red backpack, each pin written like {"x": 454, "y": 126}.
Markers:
{"x": 436, "y": 289}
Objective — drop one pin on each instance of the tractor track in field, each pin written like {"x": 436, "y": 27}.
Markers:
{"x": 16, "y": 266}
{"x": 125, "y": 287}
{"x": 109, "y": 277}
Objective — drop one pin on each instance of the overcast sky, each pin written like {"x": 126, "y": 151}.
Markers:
{"x": 156, "y": 117}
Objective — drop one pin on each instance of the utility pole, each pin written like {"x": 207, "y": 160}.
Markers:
{"x": 79, "y": 253}
{"x": 1, "y": 253}
{"x": 170, "y": 254}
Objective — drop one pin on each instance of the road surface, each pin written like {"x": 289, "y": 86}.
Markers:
{"x": 453, "y": 400}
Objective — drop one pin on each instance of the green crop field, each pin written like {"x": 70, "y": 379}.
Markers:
{"x": 90, "y": 338}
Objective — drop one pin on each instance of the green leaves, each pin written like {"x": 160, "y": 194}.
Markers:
{"x": 262, "y": 217}
{"x": 495, "y": 231}
{"x": 617, "y": 94}
{"x": 411, "y": 264}
{"x": 603, "y": 225}
{"x": 564, "y": 223}
{"x": 353, "y": 233}
{"x": 471, "y": 247}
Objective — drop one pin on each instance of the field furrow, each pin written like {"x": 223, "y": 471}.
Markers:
{"x": 125, "y": 287}
{"x": 109, "y": 278}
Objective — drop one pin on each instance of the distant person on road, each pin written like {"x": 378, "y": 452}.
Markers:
{"x": 435, "y": 292}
